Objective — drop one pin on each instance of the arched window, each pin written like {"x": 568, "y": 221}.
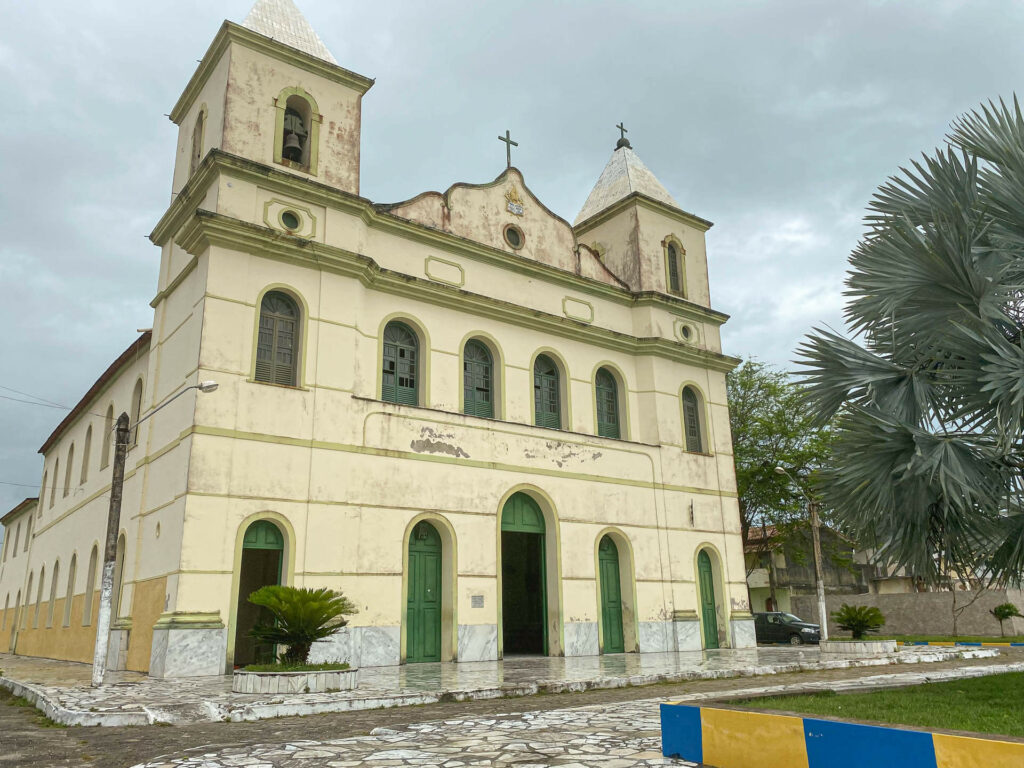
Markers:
{"x": 197, "y": 143}
{"x": 86, "y": 450}
{"x": 7, "y": 604}
{"x": 400, "y": 375}
{"x": 39, "y": 598}
{"x": 42, "y": 494}
{"x": 28, "y": 537}
{"x": 69, "y": 596}
{"x": 108, "y": 434}
{"x": 90, "y": 588}
{"x": 606, "y": 391}
{"x": 477, "y": 380}
{"x": 136, "y": 413}
{"x": 53, "y": 482}
{"x": 691, "y": 421}
{"x": 7, "y": 545}
{"x": 28, "y": 599}
{"x": 67, "y": 470}
{"x": 547, "y": 396}
{"x": 277, "y": 349}
{"x": 115, "y": 598}
{"x": 53, "y": 593}
{"x": 675, "y": 266}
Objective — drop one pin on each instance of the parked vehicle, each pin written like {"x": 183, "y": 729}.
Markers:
{"x": 780, "y": 627}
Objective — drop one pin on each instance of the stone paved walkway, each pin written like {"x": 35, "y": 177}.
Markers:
{"x": 621, "y": 735}
{"x": 60, "y": 689}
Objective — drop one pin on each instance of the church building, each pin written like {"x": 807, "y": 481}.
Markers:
{"x": 496, "y": 431}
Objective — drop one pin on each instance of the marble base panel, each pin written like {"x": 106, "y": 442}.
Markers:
{"x": 687, "y": 635}
{"x": 656, "y": 637}
{"x": 743, "y": 635}
{"x": 360, "y": 647}
{"x": 581, "y": 638}
{"x": 117, "y": 650}
{"x": 182, "y": 652}
{"x": 478, "y": 642}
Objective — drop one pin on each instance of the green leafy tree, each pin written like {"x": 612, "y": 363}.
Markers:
{"x": 299, "y": 617}
{"x": 858, "y": 619}
{"x": 929, "y": 446}
{"x": 1002, "y": 612}
{"x": 773, "y": 426}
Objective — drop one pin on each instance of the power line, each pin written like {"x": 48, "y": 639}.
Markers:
{"x": 34, "y": 397}
{"x": 33, "y": 402}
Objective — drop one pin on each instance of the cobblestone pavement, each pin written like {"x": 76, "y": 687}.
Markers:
{"x": 623, "y": 735}
{"x": 61, "y": 689}
{"x": 28, "y": 743}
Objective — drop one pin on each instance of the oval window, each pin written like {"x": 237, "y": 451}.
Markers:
{"x": 290, "y": 219}
{"x": 514, "y": 236}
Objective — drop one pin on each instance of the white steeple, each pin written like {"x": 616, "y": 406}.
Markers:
{"x": 282, "y": 21}
{"x": 624, "y": 174}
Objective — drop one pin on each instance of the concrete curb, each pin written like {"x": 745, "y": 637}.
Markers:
{"x": 206, "y": 710}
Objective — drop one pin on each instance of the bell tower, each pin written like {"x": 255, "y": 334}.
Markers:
{"x": 268, "y": 90}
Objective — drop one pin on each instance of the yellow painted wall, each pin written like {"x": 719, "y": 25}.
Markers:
{"x": 147, "y": 605}
{"x": 71, "y": 643}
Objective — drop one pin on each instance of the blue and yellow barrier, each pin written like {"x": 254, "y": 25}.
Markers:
{"x": 735, "y": 738}
{"x": 948, "y": 643}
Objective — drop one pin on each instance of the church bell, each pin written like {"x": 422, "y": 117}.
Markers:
{"x": 292, "y": 147}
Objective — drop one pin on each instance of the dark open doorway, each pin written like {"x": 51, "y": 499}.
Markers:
{"x": 262, "y": 554}
{"x": 523, "y": 577}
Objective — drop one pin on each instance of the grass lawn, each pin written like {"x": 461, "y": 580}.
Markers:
{"x": 948, "y": 638}
{"x": 991, "y": 704}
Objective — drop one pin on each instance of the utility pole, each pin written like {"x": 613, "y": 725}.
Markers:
{"x": 99, "y": 656}
{"x": 812, "y": 508}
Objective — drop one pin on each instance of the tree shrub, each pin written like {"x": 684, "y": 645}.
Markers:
{"x": 1002, "y": 612}
{"x": 299, "y": 617}
{"x": 858, "y": 619}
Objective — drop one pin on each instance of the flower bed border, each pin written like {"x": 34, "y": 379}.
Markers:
{"x": 294, "y": 682}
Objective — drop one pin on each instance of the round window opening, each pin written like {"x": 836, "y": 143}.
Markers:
{"x": 290, "y": 219}
{"x": 687, "y": 332}
{"x": 514, "y": 236}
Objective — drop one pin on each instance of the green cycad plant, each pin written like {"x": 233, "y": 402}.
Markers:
{"x": 858, "y": 620}
{"x": 299, "y": 617}
{"x": 929, "y": 449}
{"x": 1002, "y": 612}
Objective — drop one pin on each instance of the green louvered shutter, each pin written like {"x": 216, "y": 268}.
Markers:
{"x": 400, "y": 373}
{"x": 277, "y": 347}
{"x": 546, "y": 396}
{"x": 477, "y": 380}
{"x": 606, "y": 392}
{"x": 675, "y": 285}
{"x": 691, "y": 421}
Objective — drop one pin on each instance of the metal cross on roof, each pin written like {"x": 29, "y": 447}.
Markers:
{"x": 507, "y": 138}
{"x": 623, "y": 141}
{"x": 622, "y": 128}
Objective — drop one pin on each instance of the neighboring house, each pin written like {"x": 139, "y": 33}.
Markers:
{"x": 497, "y": 432}
{"x": 789, "y": 562}
{"x": 17, "y": 532}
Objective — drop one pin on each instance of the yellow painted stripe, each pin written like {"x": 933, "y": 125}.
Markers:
{"x": 735, "y": 739}
{"x": 969, "y": 752}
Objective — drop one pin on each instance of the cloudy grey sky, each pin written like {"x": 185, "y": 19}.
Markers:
{"x": 775, "y": 120}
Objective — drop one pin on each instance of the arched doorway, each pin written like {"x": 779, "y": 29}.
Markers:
{"x": 523, "y": 577}
{"x": 262, "y": 559}
{"x": 708, "y": 614}
{"x": 423, "y": 609}
{"x": 611, "y": 597}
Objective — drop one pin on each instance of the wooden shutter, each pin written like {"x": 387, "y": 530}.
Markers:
{"x": 400, "y": 365}
{"x": 691, "y": 421}
{"x": 477, "y": 381}
{"x": 606, "y": 392}
{"x": 674, "y": 284}
{"x": 546, "y": 395}
{"x": 277, "y": 345}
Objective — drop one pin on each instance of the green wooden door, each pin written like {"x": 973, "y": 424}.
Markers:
{"x": 709, "y": 619}
{"x": 423, "y": 611}
{"x": 611, "y": 596}
{"x": 262, "y": 559}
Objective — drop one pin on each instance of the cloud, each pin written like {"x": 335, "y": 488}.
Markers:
{"x": 774, "y": 120}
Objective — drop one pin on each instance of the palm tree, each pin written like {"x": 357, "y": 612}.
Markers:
{"x": 299, "y": 617}
{"x": 929, "y": 449}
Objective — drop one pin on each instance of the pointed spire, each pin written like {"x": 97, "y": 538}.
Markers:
{"x": 624, "y": 174}
{"x": 284, "y": 22}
